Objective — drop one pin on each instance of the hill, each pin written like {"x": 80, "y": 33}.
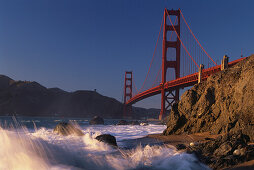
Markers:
{"x": 32, "y": 99}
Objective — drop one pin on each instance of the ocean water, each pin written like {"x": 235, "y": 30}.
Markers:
{"x": 29, "y": 143}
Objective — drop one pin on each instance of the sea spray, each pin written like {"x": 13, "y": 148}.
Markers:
{"x": 154, "y": 157}
{"x": 91, "y": 144}
{"x": 19, "y": 152}
{"x": 40, "y": 148}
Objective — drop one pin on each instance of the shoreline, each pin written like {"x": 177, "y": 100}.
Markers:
{"x": 184, "y": 138}
{"x": 187, "y": 139}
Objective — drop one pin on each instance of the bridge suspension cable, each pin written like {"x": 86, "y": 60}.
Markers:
{"x": 192, "y": 55}
{"x": 196, "y": 38}
{"x": 180, "y": 39}
{"x": 135, "y": 87}
{"x": 152, "y": 58}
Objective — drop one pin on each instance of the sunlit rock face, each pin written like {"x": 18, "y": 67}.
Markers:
{"x": 65, "y": 129}
{"x": 224, "y": 103}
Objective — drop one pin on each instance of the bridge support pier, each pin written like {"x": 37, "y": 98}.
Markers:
{"x": 224, "y": 62}
{"x": 127, "y": 109}
{"x": 168, "y": 97}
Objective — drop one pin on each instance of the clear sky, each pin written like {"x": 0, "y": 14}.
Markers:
{"x": 88, "y": 44}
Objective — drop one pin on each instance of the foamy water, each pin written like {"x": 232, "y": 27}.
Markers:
{"x": 42, "y": 149}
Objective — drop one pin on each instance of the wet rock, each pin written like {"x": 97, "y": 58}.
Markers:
{"x": 64, "y": 128}
{"x": 145, "y": 123}
{"x": 192, "y": 144}
{"x": 180, "y": 146}
{"x": 122, "y": 122}
{"x": 224, "y": 149}
{"x": 240, "y": 151}
{"x": 97, "y": 120}
{"x": 135, "y": 122}
{"x": 107, "y": 138}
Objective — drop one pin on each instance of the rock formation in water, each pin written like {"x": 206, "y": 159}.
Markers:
{"x": 25, "y": 98}
{"x": 124, "y": 122}
{"x": 107, "y": 138}
{"x": 224, "y": 103}
{"x": 96, "y": 120}
{"x": 64, "y": 128}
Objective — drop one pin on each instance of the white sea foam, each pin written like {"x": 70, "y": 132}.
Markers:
{"x": 154, "y": 157}
{"x": 19, "y": 152}
{"x": 123, "y": 132}
{"x": 43, "y": 149}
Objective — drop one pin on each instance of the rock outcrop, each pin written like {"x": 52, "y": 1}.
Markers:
{"x": 96, "y": 120}
{"x": 225, "y": 151}
{"x": 122, "y": 122}
{"x": 107, "y": 138}
{"x": 222, "y": 104}
{"x": 64, "y": 128}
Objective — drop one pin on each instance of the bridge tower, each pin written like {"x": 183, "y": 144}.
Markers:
{"x": 127, "y": 93}
{"x": 169, "y": 97}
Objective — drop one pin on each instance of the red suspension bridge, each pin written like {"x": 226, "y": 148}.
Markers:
{"x": 179, "y": 64}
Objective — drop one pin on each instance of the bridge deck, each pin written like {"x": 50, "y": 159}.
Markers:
{"x": 182, "y": 82}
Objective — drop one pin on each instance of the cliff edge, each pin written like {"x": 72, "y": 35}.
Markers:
{"x": 222, "y": 104}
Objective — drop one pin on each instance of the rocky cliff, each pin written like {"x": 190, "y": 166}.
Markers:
{"x": 32, "y": 99}
{"x": 224, "y": 103}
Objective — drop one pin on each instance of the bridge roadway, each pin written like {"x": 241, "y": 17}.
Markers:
{"x": 182, "y": 82}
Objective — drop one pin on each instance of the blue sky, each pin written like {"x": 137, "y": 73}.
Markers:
{"x": 88, "y": 44}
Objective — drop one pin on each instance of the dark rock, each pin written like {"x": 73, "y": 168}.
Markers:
{"x": 144, "y": 123}
{"x": 134, "y": 123}
{"x": 180, "y": 146}
{"x": 97, "y": 120}
{"x": 122, "y": 122}
{"x": 225, "y": 151}
{"x": 107, "y": 138}
{"x": 64, "y": 128}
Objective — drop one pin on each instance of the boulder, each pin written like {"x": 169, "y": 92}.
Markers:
{"x": 122, "y": 122}
{"x": 224, "y": 151}
{"x": 97, "y": 120}
{"x": 144, "y": 123}
{"x": 134, "y": 122}
{"x": 180, "y": 146}
{"x": 64, "y": 128}
{"x": 107, "y": 138}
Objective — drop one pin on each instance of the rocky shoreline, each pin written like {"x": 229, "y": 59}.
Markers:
{"x": 215, "y": 119}
{"x": 217, "y": 151}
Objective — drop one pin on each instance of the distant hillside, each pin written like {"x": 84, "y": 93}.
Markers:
{"x": 32, "y": 99}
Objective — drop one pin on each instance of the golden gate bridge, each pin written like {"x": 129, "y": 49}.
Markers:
{"x": 179, "y": 61}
